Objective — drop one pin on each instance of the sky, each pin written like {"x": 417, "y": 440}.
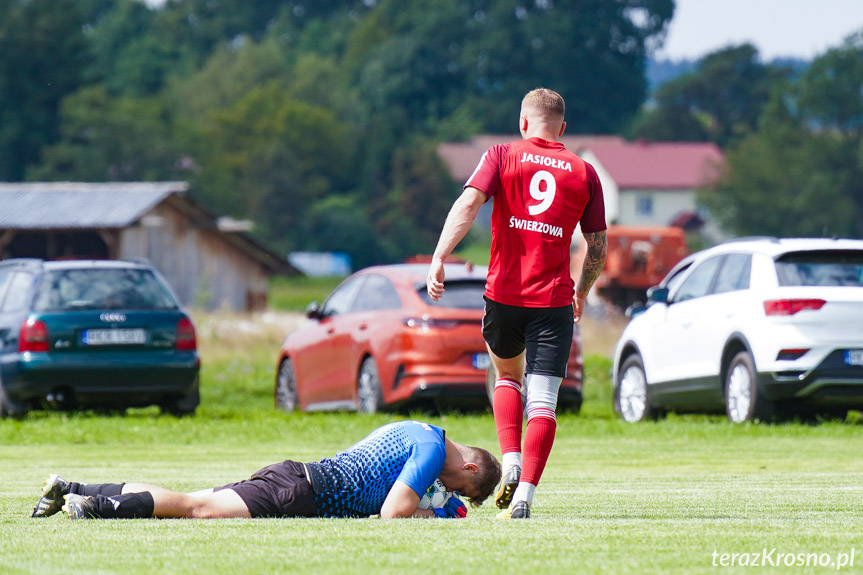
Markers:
{"x": 796, "y": 28}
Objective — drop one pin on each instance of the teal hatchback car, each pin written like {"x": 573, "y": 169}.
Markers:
{"x": 93, "y": 334}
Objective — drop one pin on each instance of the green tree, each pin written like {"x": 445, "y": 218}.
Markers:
{"x": 125, "y": 57}
{"x": 421, "y": 195}
{"x": 111, "y": 139}
{"x": 412, "y": 68}
{"x": 719, "y": 102}
{"x": 341, "y": 223}
{"x": 195, "y": 28}
{"x": 801, "y": 173}
{"x": 229, "y": 74}
{"x": 674, "y": 116}
{"x": 432, "y": 58}
{"x": 436, "y": 68}
{"x": 830, "y": 92}
{"x": 269, "y": 158}
{"x": 592, "y": 52}
{"x": 274, "y": 108}
{"x": 43, "y": 51}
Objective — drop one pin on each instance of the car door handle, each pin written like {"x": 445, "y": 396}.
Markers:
{"x": 331, "y": 330}
{"x": 364, "y": 326}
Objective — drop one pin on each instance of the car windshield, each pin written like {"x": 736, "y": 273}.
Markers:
{"x": 821, "y": 268}
{"x": 95, "y": 288}
{"x": 673, "y": 280}
{"x": 459, "y": 294}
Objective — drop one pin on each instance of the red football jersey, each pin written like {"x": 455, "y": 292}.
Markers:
{"x": 541, "y": 191}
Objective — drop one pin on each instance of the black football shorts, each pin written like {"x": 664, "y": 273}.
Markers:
{"x": 277, "y": 490}
{"x": 546, "y": 334}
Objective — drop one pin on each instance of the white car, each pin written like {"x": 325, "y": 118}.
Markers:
{"x": 758, "y": 327}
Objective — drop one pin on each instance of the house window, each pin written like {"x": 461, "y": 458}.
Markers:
{"x": 644, "y": 206}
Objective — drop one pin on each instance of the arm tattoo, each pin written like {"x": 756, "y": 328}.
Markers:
{"x": 597, "y": 250}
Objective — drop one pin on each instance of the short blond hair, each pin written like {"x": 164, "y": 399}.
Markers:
{"x": 547, "y": 103}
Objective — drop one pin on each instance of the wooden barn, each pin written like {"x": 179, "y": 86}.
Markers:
{"x": 211, "y": 263}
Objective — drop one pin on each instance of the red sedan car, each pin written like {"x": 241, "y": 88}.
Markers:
{"x": 379, "y": 341}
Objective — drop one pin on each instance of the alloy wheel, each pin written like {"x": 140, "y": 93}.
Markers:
{"x": 368, "y": 388}
{"x": 739, "y": 393}
{"x": 632, "y": 394}
{"x": 286, "y": 389}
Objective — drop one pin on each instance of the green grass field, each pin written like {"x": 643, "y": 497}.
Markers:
{"x": 294, "y": 294}
{"x": 615, "y": 498}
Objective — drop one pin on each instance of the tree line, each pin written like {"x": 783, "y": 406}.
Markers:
{"x": 319, "y": 119}
{"x": 793, "y": 138}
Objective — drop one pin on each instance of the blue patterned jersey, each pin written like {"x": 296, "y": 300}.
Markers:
{"x": 355, "y": 482}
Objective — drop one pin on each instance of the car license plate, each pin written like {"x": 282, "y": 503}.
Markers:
{"x": 854, "y": 357}
{"x": 481, "y": 360}
{"x": 114, "y": 337}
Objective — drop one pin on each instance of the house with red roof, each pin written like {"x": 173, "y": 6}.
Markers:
{"x": 462, "y": 157}
{"x": 644, "y": 184}
{"x": 652, "y": 184}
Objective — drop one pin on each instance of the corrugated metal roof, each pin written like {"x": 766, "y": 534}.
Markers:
{"x": 69, "y": 205}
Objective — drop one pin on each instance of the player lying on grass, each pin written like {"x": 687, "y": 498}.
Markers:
{"x": 384, "y": 474}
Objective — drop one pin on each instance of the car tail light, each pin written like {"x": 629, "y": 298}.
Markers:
{"x": 426, "y": 323}
{"x": 186, "y": 340}
{"x": 791, "y": 354}
{"x": 791, "y": 306}
{"x": 34, "y": 336}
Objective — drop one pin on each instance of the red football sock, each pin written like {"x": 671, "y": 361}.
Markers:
{"x": 508, "y": 414}
{"x": 538, "y": 439}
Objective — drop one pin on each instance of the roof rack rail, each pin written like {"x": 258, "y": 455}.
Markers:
{"x": 137, "y": 260}
{"x": 23, "y": 261}
{"x": 773, "y": 239}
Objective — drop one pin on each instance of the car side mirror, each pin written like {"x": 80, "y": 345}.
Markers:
{"x": 313, "y": 310}
{"x": 657, "y": 294}
{"x": 635, "y": 309}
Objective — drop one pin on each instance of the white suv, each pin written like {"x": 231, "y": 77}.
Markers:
{"x": 757, "y": 327}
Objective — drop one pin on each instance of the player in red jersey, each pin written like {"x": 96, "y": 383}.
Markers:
{"x": 541, "y": 192}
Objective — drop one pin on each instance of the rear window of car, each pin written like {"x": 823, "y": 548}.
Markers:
{"x": 83, "y": 289}
{"x": 18, "y": 292}
{"x": 459, "y": 294}
{"x": 821, "y": 268}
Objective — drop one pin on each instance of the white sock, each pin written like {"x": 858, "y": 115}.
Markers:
{"x": 524, "y": 492}
{"x": 511, "y": 459}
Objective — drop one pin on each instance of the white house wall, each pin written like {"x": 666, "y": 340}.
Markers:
{"x": 666, "y": 205}
{"x": 609, "y": 187}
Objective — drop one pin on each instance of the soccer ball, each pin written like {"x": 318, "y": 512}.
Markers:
{"x": 435, "y": 496}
